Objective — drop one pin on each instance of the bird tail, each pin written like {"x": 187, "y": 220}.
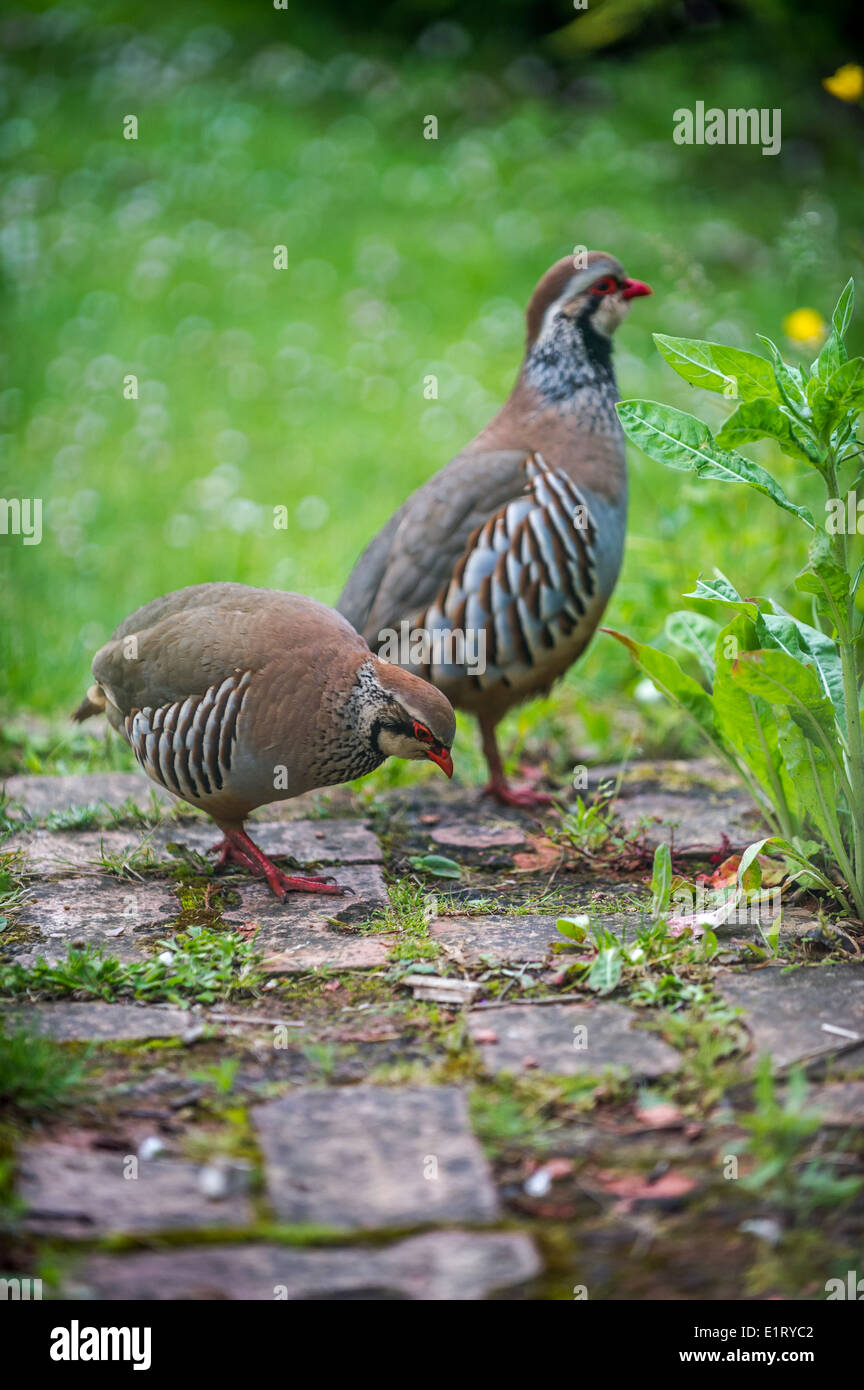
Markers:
{"x": 93, "y": 703}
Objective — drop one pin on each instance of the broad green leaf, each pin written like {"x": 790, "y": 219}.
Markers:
{"x": 841, "y": 393}
{"x": 790, "y": 380}
{"x": 574, "y": 928}
{"x": 681, "y": 441}
{"x": 606, "y": 970}
{"x": 437, "y": 865}
{"x": 842, "y": 316}
{"x": 696, "y": 633}
{"x": 823, "y": 576}
{"x": 661, "y": 880}
{"x": 735, "y": 374}
{"x": 780, "y": 679}
{"x": 722, "y": 591}
{"x": 811, "y": 772}
{"x": 775, "y": 630}
{"x": 831, "y": 357}
{"x": 668, "y": 677}
{"x": 747, "y": 723}
{"x": 764, "y": 419}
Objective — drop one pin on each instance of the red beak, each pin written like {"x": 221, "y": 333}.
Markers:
{"x": 633, "y": 289}
{"x": 441, "y": 756}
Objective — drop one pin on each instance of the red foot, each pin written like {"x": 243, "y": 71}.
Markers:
{"x": 525, "y": 797}
{"x": 237, "y": 848}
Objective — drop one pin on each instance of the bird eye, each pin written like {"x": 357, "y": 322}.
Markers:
{"x": 605, "y": 286}
{"x": 421, "y": 732}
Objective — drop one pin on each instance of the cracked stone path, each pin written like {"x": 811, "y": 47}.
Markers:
{"x": 365, "y": 1105}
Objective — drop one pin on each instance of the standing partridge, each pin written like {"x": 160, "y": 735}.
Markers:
{"x": 233, "y": 697}
{"x": 511, "y": 551}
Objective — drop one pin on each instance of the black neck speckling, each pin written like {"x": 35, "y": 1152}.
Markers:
{"x": 572, "y": 357}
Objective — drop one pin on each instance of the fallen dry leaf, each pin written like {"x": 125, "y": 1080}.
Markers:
{"x": 663, "y": 1113}
{"x": 634, "y": 1186}
{"x": 543, "y": 855}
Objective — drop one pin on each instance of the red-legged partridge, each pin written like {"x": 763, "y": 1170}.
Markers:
{"x": 516, "y": 544}
{"x": 233, "y": 697}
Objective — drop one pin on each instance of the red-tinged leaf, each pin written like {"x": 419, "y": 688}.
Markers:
{"x": 635, "y": 1187}
{"x": 656, "y": 1116}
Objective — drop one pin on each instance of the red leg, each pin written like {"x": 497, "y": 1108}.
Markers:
{"x": 498, "y": 786}
{"x": 239, "y": 848}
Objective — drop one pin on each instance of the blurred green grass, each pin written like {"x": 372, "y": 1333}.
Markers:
{"x": 304, "y": 387}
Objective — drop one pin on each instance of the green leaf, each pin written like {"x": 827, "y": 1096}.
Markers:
{"x": 668, "y": 677}
{"x": 790, "y": 634}
{"x": 696, "y": 633}
{"x": 735, "y": 374}
{"x": 745, "y": 722}
{"x": 721, "y": 590}
{"x": 606, "y": 970}
{"x": 661, "y": 880}
{"x": 842, "y": 316}
{"x": 574, "y": 928}
{"x": 437, "y": 865}
{"x": 823, "y": 576}
{"x": 764, "y": 419}
{"x": 683, "y": 442}
{"x": 790, "y": 380}
{"x": 812, "y": 774}
{"x": 780, "y": 679}
{"x": 838, "y": 396}
{"x": 831, "y": 357}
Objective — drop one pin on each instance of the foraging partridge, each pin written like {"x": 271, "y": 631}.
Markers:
{"x": 233, "y": 697}
{"x": 515, "y": 546}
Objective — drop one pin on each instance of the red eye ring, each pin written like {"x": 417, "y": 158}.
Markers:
{"x": 607, "y": 285}
{"x": 421, "y": 732}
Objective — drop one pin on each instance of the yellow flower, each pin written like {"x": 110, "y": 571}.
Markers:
{"x": 805, "y": 326}
{"x": 847, "y": 82}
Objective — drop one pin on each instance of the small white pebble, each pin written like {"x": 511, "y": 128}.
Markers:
{"x": 150, "y": 1147}
{"x": 213, "y": 1182}
{"x": 166, "y": 957}
{"x": 764, "y": 1228}
{"x": 538, "y": 1184}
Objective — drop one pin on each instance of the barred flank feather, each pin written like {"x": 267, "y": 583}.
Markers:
{"x": 526, "y": 576}
{"x": 187, "y": 746}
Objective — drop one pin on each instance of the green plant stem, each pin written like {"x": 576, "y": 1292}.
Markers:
{"x": 849, "y": 668}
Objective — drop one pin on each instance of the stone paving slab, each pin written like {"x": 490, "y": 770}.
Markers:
{"x": 128, "y": 916}
{"x": 473, "y": 940}
{"x": 98, "y": 911}
{"x": 73, "y": 1022}
{"x": 568, "y": 1040}
{"x": 278, "y": 922}
{"x": 443, "y": 1265}
{"x": 82, "y": 1194}
{"x": 786, "y": 1014}
{"x": 477, "y": 835}
{"x": 695, "y": 825}
{"x": 840, "y": 1103}
{"x": 508, "y": 940}
{"x": 38, "y": 795}
{"x": 309, "y": 842}
{"x": 372, "y": 1157}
